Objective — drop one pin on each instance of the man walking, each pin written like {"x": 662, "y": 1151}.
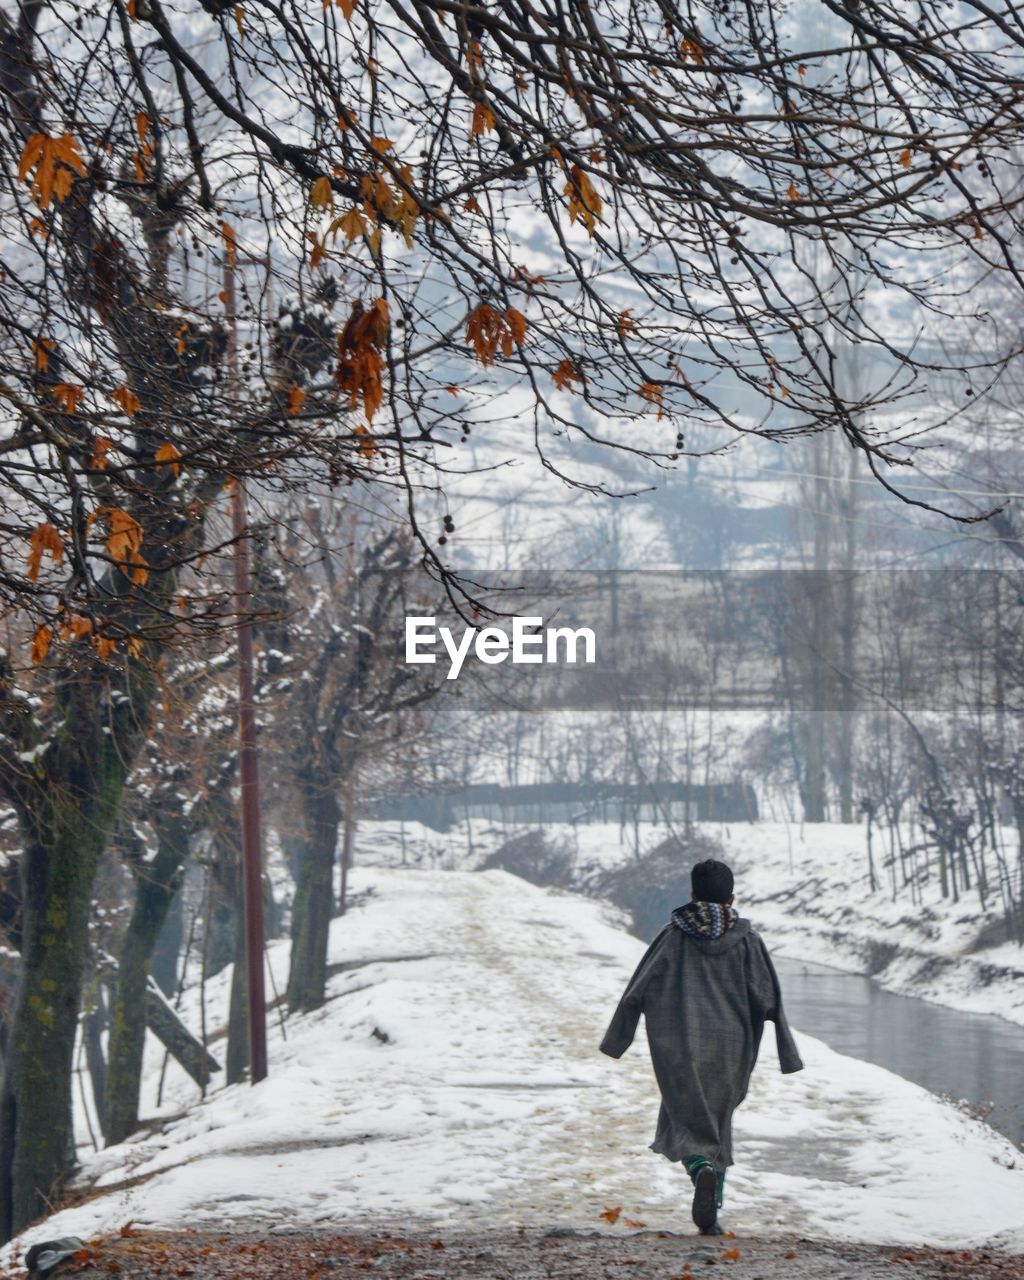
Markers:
{"x": 706, "y": 987}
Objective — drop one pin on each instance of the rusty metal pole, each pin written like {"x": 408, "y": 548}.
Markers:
{"x": 248, "y": 760}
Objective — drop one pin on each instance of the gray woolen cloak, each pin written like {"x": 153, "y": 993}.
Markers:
{"x": 705, "y": 1004}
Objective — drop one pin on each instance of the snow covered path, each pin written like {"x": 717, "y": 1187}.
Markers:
{"x": 453, "y": 1080}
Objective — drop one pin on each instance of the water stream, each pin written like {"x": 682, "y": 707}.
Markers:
{"x": 973, "y": 1056}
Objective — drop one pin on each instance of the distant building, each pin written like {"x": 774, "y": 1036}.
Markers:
{"x": 574, "y": 802}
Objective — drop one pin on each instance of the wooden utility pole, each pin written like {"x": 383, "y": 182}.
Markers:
{"x": 248, "y": 760}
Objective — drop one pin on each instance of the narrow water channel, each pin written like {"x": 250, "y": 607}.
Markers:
{"x": 965, "y": 1055}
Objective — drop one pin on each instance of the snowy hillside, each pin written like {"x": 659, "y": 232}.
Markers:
{"x": 453, "y": 1080}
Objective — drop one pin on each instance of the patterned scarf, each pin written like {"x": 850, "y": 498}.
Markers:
{"x": 705, "y": 919}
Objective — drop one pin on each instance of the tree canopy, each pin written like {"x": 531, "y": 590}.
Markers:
{"x": 617, "y": 219}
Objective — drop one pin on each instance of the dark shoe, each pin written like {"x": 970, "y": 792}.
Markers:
{"x": 716, "y": 1229}
{"x": 705, "y": 1199}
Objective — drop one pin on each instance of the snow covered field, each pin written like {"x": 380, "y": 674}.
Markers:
{"x": 806, "y": 886}
{"x": 453, "y": 1081}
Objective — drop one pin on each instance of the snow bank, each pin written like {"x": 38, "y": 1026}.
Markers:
{"x": 808, "y": 886}
{"x": 452, "y": 1080}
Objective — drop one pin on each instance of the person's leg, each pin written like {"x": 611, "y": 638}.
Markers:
{"x": 707, "y": 1185}
{"x": 692, "y": 1163}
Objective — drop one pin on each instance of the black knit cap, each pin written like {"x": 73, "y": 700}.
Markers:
{"x": 711, "y": 881}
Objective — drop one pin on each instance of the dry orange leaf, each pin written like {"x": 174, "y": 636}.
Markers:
{"x": 352, "y": 223}
{"x": 41, "y": 644}
{"x": 105, "y": 646}
{"x": 321, "y": 196}
{"x": 68, "y": 396}
{"x": 584, "y": 202}
{"x": 484, "y": 120}
{"x": 52, "y": 162}
{"x": 296, "y": 399}
{"x": 41, "y": 348}
{"x": 227, "y": 234}
{"x": 654, "y": 394}
{"x": 126, "y": 398}
{"x": 381, "y": 145}
{"x": 367, "y": 444}
{"x": 139, "y": 569}
{"x": 100, "y": 448}
{"x": 489, "y": 331}
{"x": 691, "y": 49}
{"x": 905, "y": 157}
{"x": 611, "y": 1216}
{"x": 566, "y": 374}
{"x": 318, "y": 253}
{"x": 169, "y": 455}
{"x": 44, "y": 538}
{"x": 124, "y": 534}
{"x": 731, "y": 1255}
{"x": 625, "y": 323}
{"x": 792, "y": 191}
{"x": 141, "y": 125}
{"x": 360, "y": 355}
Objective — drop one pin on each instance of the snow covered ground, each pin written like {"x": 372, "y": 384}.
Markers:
{"x": 806, "y": 886}
{"x": 453, "y": 1081}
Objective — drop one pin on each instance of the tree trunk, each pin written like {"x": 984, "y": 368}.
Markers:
{"x": 190, "y": 1053}
{"x": 224, "y": 907}
{"x": 93, "y": 1026}
{"x": 311, "y": 911}
{"x": 847, "y": 691}
{"x": 156, "y": 883}
{"x": 237, "y": 1058}
{"x": 166, "y": 953}
{"x": 66, "y": 813}
{"x": 35, "y": 1109}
